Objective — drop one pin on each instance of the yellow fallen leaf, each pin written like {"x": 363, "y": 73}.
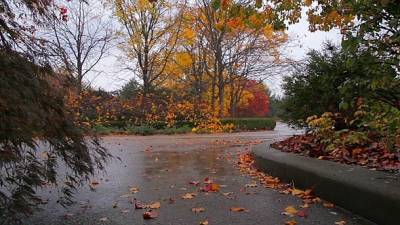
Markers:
{"x": 204, "y": 222}
{"x": 340, "y": 223}
{"x": 237, "y": 209}
{"x": 292, "y": 222}
{"x": 44, "y": 155}
{"x": 154, "y": 205}
{"x": 103, "y": 219}
{"x": 133, "y": 189}
{"x": 251, "y": 185}
{"x": 328, "y": 204}
{"x": 126, "y": 196}
{"x": 297, "y": 192}
{"x": 289, "y": 211}
{"x": 188, "y": 195}
{"x": 67, "y": 182}
{"x": 197, "y": 209}
{"x": 304, "y": 206}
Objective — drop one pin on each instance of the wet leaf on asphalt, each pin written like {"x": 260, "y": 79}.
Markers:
{"x": 302, "y": 213}
{"x": 103, "y": 219}
{"x": 126, "y": 196}
{"x": 155, "y": 205}
{"x": 124, "y": 211}
{"x": 291, "y": 222}
{"x": 95, "y": 182}
{"x": 326, "y": 204}
{"x": 340, "y": 222}
{"x": 115, "y": 205}
{"x": 204, "y": 222}
{"x": 188, "y": 195}
{"x": 289, "y": 211}
{"x": 133, "y": 189}
{"x": 197, "y": 209}
{"x": 236, "y": 209}
{"x": 150, "y": 215}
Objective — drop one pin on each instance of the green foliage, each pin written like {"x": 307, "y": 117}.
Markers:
{"x": 318, "y": 88}
{"x": 35, "y": 120}
{"x": 250, "y": 123}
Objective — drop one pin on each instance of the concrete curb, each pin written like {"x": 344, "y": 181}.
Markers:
{"x": 370, "y": 194}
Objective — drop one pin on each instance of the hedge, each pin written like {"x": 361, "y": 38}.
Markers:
{"x": 251, "y": 123}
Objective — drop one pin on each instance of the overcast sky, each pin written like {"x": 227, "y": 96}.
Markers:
{"x": 110, "y": 80}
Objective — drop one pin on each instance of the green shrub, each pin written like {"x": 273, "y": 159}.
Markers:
{"x": 250, "y": 123}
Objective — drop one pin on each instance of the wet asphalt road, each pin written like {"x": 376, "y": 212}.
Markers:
{"x": 160, "y": 168}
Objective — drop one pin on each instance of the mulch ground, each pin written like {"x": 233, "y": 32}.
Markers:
{"x": 374, "y": 156}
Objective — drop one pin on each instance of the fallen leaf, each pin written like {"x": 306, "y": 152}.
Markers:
{"x": 210, "y": 188}
{"x": 138, "y": 205}
{"x": 302, "y": 213}
{"x": 126, "y": 196}
{"x": 171, "y": 201}
{"x": 194, "y": 182}
{"x": 124, "y": 211}
{"x": 197, "y": 209}
{"x": 204, "y": 222}
{"x": 67, "y": 182}
{"x": 289, "y": 211}
{"x": 236, "y": 209}
{"x": 103, "y": 219}
{"x": 44, "y": 155}
{"x": 304, "y": 206}
{"x": 148, "y": 149}
{"x": 188, "y": 195}
{"x": 115, "y": 205}
{"x": 154, "y": 205}
{"x": 95, "y": 182}
{"x": 340, "y": 222}
{"x": 133, "y": 189}
{"x": 251, "y": 185}
{"x": 230, "y": 197}
{"x": 292, "y": 222}
{"x": 150, "y": 215}
{"x": 328, "y": 204}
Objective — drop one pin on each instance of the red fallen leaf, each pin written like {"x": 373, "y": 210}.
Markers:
{"x": 150, "y": 215}
{"x": 148, "y": 149}
{"x": 95, "y": 182}
{"x": 209, "y": 188}
{"x": 194, "y": 182}
{"x": 302, "y": 213}
{"x": 171, "y": 201}
{"x": 230, "y": 197}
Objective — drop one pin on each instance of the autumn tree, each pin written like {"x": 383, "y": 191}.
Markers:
{"x": 148, "y": 38}
{"x": 256, "y": 104}
{"x": 37, "y": 132}
{"x": 81, "y": 37}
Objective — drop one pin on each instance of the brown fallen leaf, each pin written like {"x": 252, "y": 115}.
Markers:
{"x": 204, "y": 222}
{"x": 326, "y": 204}
{"x": 251, "y": 185}
{"x": 197, "y": 209}
{"x": 133, "y": 189}
{"x": 124, "y": 211}
{"x": 236, "y": 209}
{"x": 115, "y": 205}
{"x": 340, "y": 222}
{"x": 103, "y": 219}
{"x": 291, "y": 222}
{"x": 194, "y": 182}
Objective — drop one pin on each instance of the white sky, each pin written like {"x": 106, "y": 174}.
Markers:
{"x": 110, "y": 80}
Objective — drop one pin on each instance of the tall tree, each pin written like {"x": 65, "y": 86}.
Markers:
{"x": 148, "y": 38}
{"x": 81, "y": 38}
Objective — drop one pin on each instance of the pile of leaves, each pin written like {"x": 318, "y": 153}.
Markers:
{"x": 373, "y": 155}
